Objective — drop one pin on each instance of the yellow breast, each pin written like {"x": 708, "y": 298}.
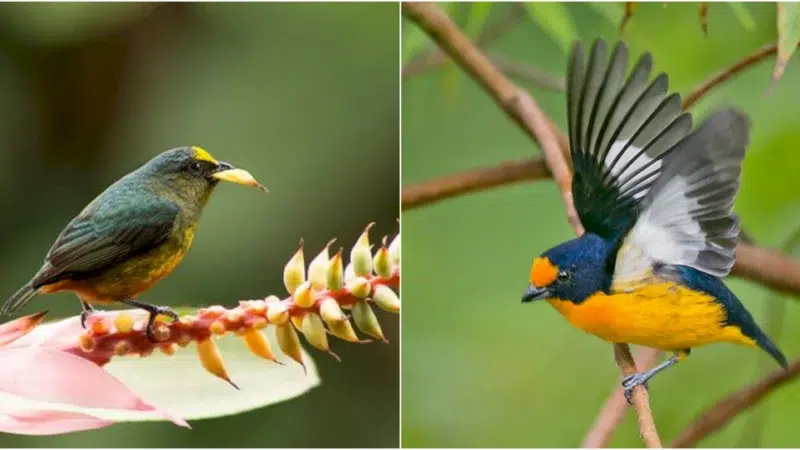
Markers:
{"x": 130, "y": 278}
{"x": 662, "y": 315}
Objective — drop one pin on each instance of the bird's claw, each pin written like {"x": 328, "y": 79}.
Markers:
{"x": 85, "y": 315}
{"x": 631, "y": 381}
{"x": 166, "y": 311}
{"x": 158, "y": 311}
{"x": 87, "y": 311}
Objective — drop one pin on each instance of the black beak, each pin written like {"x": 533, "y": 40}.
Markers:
{"x": 223, "y": 166}
{"x": 534, "y": 293}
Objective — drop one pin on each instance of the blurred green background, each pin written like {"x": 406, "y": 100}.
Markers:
{"x": 305, "y": 96}
{"x": 482, "y": 369}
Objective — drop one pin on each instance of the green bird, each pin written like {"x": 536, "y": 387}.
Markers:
{"x": 133, "y": 234}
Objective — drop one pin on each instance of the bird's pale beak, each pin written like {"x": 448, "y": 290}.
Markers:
{"x": 226, "y": 172}
{"x": 535, "y": 293}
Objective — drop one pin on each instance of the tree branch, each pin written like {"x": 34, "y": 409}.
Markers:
{"x": 698, "y": 92}
{"x": 473, "y": 180}
{"x": 720, "y": 414}
{"x": 612, "y": 414}
{"x": 525, "y": 112}
{"x": 515, "y": 102}
{"x": 525, "y": 72}
{"x": 753, "y": 58}
{"x": 510, "y": 67}
{"x": 436, "y": 57}
{"x": 768, "y": 267}
{"x": 640, "y": 397}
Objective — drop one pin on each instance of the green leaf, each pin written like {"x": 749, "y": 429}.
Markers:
{"x": 180, "y": 385}
{"x": 555, "y": 20}
{"x": 788, "y": 35}
{"x": 744, "y": 16}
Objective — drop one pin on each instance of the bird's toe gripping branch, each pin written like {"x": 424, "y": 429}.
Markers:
{"x": 319, "y": 297}
{"x": 633, "y": 380}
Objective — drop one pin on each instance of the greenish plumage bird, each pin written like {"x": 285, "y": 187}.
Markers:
{"x": 133, "y": 234}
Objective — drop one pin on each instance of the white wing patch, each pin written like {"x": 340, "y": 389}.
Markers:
{"x": 688, "y": 218}
{"x": 628, "y": 166}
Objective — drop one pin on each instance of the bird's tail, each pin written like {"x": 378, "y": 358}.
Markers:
{"x": 766, "y": 343}
{"x": 18, "y": 300}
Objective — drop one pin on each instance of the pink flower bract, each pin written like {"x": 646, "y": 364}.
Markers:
{"x": 36, "y": 365}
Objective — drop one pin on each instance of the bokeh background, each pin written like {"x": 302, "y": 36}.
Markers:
{"x": 305, "y": 96}
{"x": 482, "y": 369}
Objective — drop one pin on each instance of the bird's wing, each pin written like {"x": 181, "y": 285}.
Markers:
{"x": 106, "y": 233}
{"x": 687, "y": 217}
{"x": 620, "y": 129}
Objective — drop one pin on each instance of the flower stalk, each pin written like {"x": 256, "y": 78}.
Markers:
{"x": 316, "y": 305}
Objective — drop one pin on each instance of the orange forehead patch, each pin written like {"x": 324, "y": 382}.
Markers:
{"x": 543, "y": 272}
{"x": 201, "y": 154}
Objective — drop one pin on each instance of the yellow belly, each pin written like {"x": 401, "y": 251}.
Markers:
{"x": 130, "y": 278}
{"x": 664, "y": 315}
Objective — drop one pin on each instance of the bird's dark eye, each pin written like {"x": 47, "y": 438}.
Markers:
{"x": 563, "y": 276}
{"x": 195, "y": 167}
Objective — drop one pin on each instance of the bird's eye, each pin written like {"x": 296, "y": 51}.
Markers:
{"x": 196, "y": 167}
{"x": 563, "y": 276}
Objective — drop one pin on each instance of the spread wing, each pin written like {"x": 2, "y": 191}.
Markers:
{"x": 620, "y": 129}
{"x": 688, "y": 217}
{"x": 105, "y": 234}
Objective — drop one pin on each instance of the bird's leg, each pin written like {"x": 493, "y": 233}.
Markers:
{"x": 154, "y": 311}
{"x": 640, "y": 379}
{"x": 88, "y": 310}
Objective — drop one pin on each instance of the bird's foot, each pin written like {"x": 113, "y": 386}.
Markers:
{"x": 631, "y": 381}
{"x": 156, "y": 311}
{"x": 88, "y": 310}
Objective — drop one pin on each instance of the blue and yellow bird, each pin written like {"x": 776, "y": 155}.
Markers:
{"x": 656, "y": 203}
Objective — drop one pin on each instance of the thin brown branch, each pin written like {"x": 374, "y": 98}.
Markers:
{"x": 512, "y": 68}
{"x": 768, "y": 267}
{"x": 725, "y": 74}
{"x": 720, "y": 414}
{"x": 613, "y": 413}
{"x": 436, "y": 57}
{"x": 515, "y": 102}
{"x": 423, "y": 63}
{"x": 526, "y": 72}
{"x": 520, "y": 107}
{"x": 700, "y": 91}
{"x": 473, "y": 180}
{"x": 640, "y": 398}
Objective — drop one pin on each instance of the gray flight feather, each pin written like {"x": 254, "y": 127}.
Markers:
{"x": 620, "y": 129}
{"x": 688, "y": 214}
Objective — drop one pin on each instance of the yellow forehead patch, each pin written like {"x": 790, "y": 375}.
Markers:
{"x": 543, "y": 272}
{"x": 201, "y": 154}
